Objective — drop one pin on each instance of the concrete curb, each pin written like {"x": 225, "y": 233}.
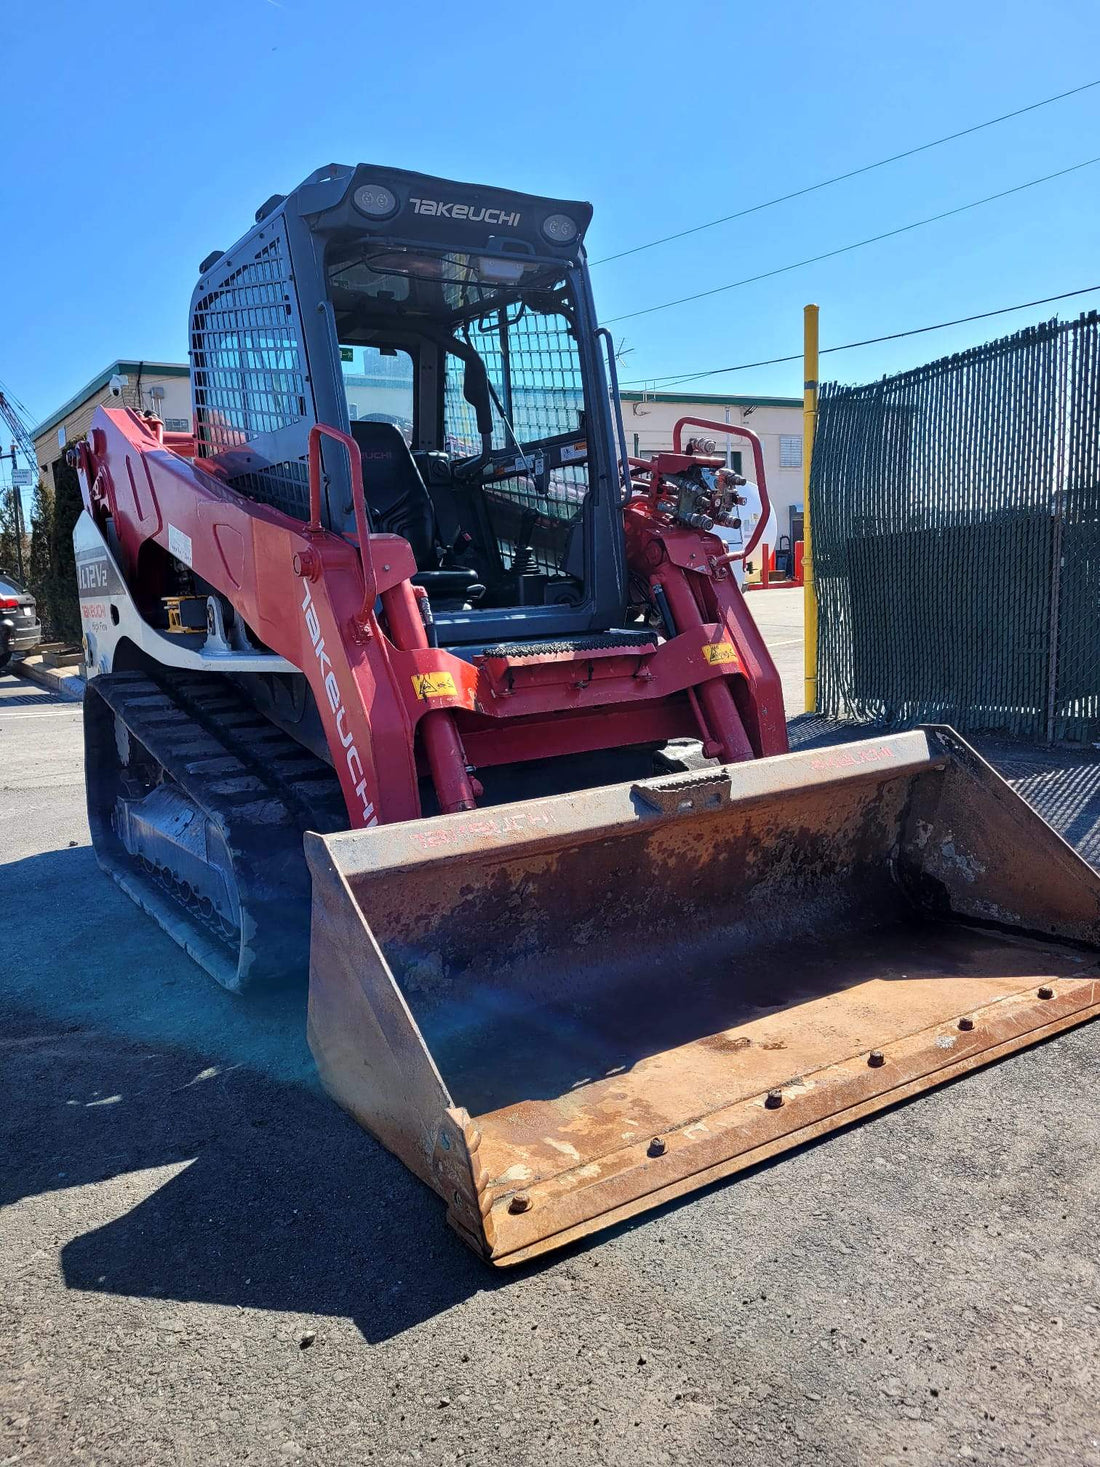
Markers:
{"x": 58, "y": 680}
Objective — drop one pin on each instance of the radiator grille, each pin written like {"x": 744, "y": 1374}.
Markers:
{"x": 283, "y": 486}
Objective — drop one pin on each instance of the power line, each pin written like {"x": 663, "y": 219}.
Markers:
{"x": 660, "y": 382}
{"x": 20, "y": 407}
{"x": 857, "y": 245}
{"x": 840, "y": 177}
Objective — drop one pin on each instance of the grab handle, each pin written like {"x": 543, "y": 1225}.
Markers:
{"x": 358, "y": 502}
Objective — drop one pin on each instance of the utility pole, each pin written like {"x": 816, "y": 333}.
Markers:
{"x": 809, "y": 426}
{"x": 13, "y": 414}
{"x": 17, "y": 518}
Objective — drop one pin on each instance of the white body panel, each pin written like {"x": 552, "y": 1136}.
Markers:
{"x": 108, "y": 614}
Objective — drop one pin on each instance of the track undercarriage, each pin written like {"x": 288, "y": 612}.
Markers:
{"x": 198, "y": 806}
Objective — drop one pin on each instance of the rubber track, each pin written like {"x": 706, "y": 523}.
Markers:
{"x": 259, "y": 786}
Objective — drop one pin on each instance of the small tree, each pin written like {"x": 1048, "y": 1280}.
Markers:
{"x": 42, "y": 574}
{"x": 66, "y": 508}
{"x": 14, "y": 547}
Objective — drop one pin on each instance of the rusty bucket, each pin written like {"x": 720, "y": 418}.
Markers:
{"x": 563, "y": 1012}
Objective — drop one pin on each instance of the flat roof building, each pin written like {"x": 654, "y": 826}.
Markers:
{"x": 160, "y": 387}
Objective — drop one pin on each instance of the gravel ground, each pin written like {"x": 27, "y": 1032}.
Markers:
{"x": 203, "y": 1260}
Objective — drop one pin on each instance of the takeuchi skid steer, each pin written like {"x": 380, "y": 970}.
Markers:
{"x": 399, "y": 629}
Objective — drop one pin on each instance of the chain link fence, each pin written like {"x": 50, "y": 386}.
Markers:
{"x": 956, "y": 534}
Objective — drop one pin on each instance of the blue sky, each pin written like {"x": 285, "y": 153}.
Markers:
{"x": 141, "y": 136}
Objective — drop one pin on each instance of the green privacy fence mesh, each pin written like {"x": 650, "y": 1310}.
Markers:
{"x": 956, "y": 539}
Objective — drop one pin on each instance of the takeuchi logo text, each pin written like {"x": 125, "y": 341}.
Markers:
{"x": 336, "y": 703}
{"x": 470, "y": 212}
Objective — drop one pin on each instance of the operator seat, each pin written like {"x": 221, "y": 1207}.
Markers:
{"x": 398, "y": 503}
{"x": 397, "y": 500}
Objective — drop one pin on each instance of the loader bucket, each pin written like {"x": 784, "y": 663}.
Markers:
{"x": 564, "y": 1012}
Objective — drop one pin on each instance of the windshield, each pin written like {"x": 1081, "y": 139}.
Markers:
{"x": 537, "y": 391}
{"x": 476, "y": 358}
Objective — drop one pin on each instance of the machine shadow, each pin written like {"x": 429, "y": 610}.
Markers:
{"x": 279, "y": 1201}
{"x": 119, "y": 1056}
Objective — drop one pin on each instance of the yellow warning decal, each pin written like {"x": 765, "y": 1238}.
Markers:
{"x": 720, "y": 652}
{"x": 434, "y": 685}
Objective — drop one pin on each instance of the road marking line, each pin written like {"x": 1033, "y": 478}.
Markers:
{"x": 34, "y": 712}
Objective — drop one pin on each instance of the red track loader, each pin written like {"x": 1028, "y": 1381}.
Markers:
{"x": 400, "y": 631}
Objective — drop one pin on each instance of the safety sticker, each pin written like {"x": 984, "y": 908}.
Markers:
{"x": 720, "y": 652}
{"x": 434, "y": 685}
{"x": 573, "y": 451}
{"x": 179, "y": 545}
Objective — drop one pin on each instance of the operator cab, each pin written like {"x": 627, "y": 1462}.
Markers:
{"x": 450, "y": 329}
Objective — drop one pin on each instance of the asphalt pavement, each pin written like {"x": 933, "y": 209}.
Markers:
{"x": 203, "y": 1260}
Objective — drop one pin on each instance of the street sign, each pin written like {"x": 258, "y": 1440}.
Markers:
{"x": 22, "y": 478}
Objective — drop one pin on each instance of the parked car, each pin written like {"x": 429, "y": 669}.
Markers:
{"x": 20, "y": 629}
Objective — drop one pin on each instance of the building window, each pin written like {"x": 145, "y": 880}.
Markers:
{"x": 790, "y": 450}
{"x": 177, "y": 425}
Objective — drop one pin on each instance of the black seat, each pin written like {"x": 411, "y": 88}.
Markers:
{"x": 397, "y": 500}
{"x": 398, "y": 503}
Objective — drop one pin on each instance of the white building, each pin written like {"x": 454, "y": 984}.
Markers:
{"x": 650, "y": 417}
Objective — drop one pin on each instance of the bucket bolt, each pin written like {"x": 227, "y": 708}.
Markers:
{"x": 773, "y": 1100}
{"x": 876, "y": 1058}
{"x": 1046, "y": 992}
{"x": 966, "y": 1024}
{"x": 519, "y": 1203}
{"x": 656, "y": 1147}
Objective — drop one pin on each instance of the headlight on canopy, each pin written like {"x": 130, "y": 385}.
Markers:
{"x": 375, "y": 200}
{"x": 560, "y": 229}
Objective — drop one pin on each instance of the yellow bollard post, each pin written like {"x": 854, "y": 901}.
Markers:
{"x": 809, "y": 424}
